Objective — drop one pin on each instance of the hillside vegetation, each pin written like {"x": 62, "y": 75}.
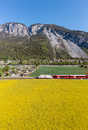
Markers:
{"x": 16, "y": 48}
{"x": 41, "y": 41}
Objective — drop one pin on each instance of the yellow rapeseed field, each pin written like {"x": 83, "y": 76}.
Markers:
{"x": 43, "y": 104}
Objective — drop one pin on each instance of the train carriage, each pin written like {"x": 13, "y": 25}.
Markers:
{"x": 70, "y": 76}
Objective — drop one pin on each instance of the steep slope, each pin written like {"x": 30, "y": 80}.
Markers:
{"x": 60, "y": 40}
{"x": 37, "y": 46}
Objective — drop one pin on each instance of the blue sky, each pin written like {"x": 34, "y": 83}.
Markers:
{"x": 72, "y": 14}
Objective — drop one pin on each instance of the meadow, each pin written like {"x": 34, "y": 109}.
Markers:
{"x": 43, "y": 104}
{"x": 60, "y": 70}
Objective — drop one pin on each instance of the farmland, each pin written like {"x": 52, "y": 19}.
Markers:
{"x": 60, "y": 70}
{"x": 43, "y": 104}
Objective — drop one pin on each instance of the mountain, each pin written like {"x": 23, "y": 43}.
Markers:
{"x": 43, "y": 40}
{"x": 14, "y": 29}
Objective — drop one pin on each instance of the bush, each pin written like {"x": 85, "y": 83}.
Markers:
{"x": 6, "y": 68}
{"x": 0, "y": 74}
{"x": 82, "y": 66}
{"x": 85, "y": 66}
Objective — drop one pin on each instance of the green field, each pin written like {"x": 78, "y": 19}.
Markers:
{"x": 59, "y": 70}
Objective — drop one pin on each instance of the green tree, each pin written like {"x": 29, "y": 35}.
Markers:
{"x": 36, "y": 63}
{"x": 6, "y": 68}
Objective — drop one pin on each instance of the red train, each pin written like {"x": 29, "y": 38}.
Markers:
{"x": 70, "y": 76}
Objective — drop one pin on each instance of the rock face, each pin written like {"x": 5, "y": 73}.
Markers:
{"x": 72, "y": 42}
{"x": 62, "y": 38}
{"x": 14, "y": 29}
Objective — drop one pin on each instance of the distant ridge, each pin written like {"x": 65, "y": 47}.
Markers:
{"x": 61, "y": 41}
